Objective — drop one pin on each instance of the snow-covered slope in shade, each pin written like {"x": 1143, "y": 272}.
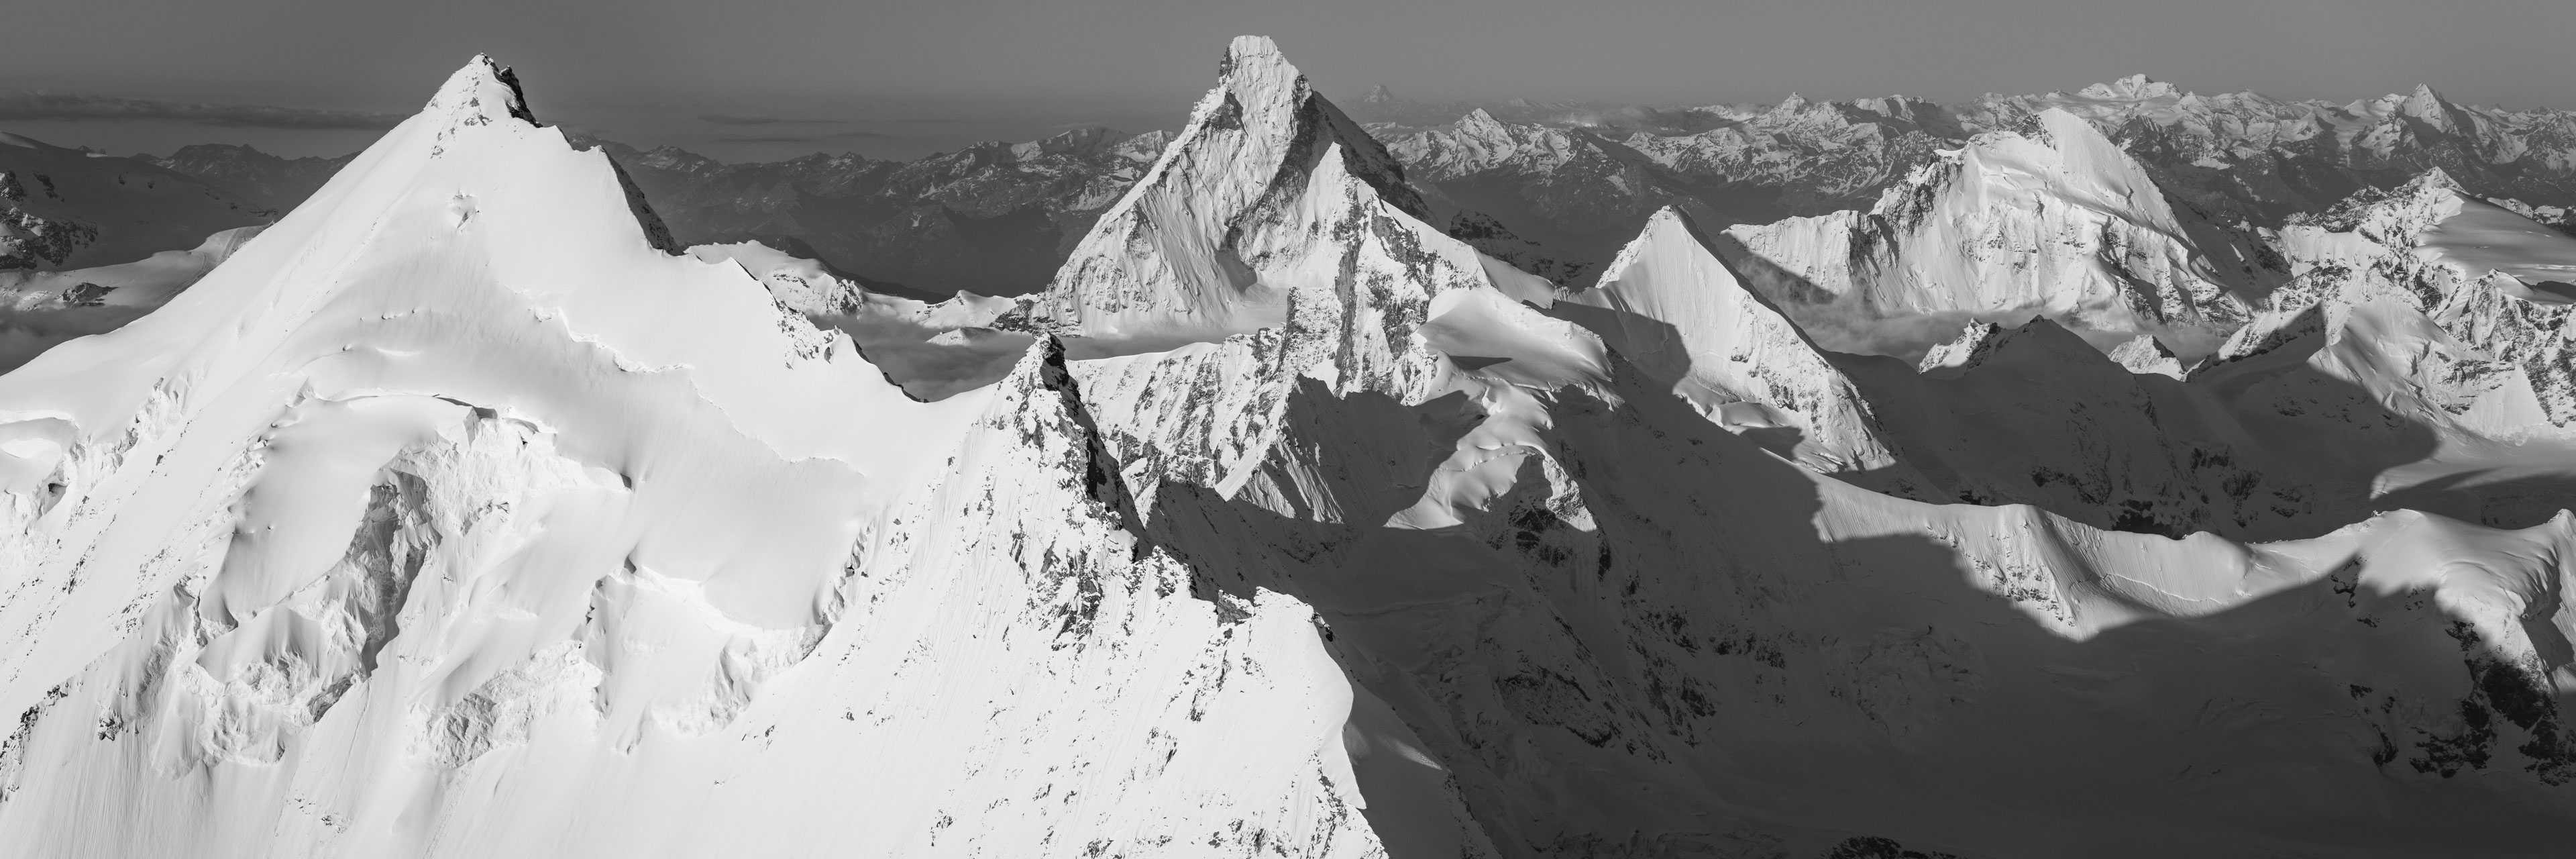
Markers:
{"x": 1620, "y": 631}
{"x": 458, "y": 515}
{"x": 2053, "y": 221}
{"x": 2311, "y": 430}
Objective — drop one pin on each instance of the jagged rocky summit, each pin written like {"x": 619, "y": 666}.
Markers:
{"x": 463, "y": 512}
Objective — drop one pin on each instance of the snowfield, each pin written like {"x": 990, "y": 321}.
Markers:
{"x": 463, "y": 512}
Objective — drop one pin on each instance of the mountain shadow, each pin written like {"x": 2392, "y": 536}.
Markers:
{"x": 1661, "y": 640}
{"x": 2268, "y": 445}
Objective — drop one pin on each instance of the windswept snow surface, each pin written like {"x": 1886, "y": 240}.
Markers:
{"x": 464, "y": 514}
{"x": 455, "y": 517}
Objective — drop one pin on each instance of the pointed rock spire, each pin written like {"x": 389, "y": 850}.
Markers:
{"x": 1181, "y": 256}
{"x": 2432, "y": 109}
{"x": 2433, "y": 180}
{"x": 479, "y": 93}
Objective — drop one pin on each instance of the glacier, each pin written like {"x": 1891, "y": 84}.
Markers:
{"x": 463, "y": 511}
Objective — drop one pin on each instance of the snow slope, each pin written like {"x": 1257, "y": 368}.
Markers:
{"x": 457, "y": 516}
{"x": 463, "y": 514}
{"x": 1680, "y": 315}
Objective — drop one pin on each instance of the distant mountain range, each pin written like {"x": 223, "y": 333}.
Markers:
{"x": 1551, "y": 187}
{"x": 2120, "y": 474}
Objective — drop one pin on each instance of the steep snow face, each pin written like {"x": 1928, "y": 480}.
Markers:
{"x": 1214, "y": 238}
{"x": 461, "y": 514}
{"x": 2056, "y": 222}
{"x": 1679, "y": 315}
{"x": 67, "y": 208}
{"x": 456, "y": 515}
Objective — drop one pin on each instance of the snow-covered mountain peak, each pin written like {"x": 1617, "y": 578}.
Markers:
{"x": 482, "y": 91}
{"x": 1961, "y": 351}
{"x": 2394, "y": 217}
{"x": 2049, "y": 219}
{"x": 2132, "y": 88}
{"x": 1481, "y": 123}
{"x": 452, "y": 474}
{"x": 1674, "y": 310}
{"x": 1202, "y": 246}
{"x": 2424, "y": 103}
{"x": 1257, "y": 58}
{"x": 452, "y": 517}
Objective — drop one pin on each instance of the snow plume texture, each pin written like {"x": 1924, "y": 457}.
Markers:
{"x": 2053, "y": 503}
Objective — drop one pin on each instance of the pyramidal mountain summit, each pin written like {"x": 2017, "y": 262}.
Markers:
{"x": 2043, "y": 507}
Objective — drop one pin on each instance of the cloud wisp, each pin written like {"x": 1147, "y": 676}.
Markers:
{"x": 818, "y": 137}
{"x": 735, "y": 119}
{"x": 24, "y": 106}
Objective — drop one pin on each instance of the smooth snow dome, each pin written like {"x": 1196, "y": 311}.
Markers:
{"x": 464, "y": 512}
{"x": 2482, "y": 237}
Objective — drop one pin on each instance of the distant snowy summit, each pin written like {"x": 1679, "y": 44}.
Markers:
{"x": 475, "y": 507}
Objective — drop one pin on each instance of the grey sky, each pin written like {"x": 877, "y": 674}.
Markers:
{"x": 904, "y": 76}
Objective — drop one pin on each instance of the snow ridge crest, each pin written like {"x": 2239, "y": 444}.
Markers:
{"x": 479, "y": 93}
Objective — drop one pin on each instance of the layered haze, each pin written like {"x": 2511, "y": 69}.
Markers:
{"x": 2112, "y": 470}
{"x": 906, "y": 79}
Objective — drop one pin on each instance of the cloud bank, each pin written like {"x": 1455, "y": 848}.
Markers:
{"x": 22, "y": 106}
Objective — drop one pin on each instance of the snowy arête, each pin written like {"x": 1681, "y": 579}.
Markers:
{"x": 2048, "y": 505}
